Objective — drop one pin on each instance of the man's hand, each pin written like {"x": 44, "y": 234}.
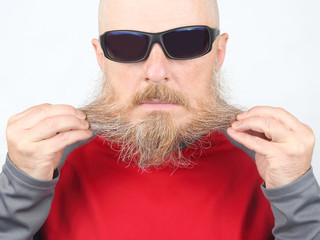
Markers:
{"x": 283, "y": 145}
{"x": 36, "y": 137}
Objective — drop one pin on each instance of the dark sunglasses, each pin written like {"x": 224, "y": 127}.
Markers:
{"x": 127, "y": 46}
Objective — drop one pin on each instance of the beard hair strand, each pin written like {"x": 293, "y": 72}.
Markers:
{"x": 156, "y": 140}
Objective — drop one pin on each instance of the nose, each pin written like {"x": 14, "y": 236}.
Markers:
{"x": 156, "y": 65}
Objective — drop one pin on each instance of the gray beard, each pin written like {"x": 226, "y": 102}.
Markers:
{"x": 155, "y": 140}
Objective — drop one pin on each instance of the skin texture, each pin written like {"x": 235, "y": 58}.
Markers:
{"x": 148, "y": 16}
{"x": 210, "y": 7}
{"x": 283, "y": 145}
{"x": 36, "y": 137}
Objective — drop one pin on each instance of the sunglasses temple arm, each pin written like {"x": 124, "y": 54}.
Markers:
{"x": 216, "y": 33}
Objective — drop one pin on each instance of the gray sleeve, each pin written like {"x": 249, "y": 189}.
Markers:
{"x": 296, "y": 208}
{"x": 24, "y": 202}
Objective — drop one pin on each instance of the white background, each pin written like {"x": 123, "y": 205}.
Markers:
{"x": 272, "y": 58}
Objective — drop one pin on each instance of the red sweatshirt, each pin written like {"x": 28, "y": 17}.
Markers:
{"x": 99, "y": 197}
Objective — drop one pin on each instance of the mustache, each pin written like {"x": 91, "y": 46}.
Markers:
{"x": 159, "y": 92}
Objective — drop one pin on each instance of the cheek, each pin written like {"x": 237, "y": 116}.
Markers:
{"x": 123, "y": 79}
{"x": 195, "y": 81}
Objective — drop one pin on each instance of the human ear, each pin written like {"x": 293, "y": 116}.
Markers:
{"x": 99, "y": 52}
{"x": 221, "y": 49}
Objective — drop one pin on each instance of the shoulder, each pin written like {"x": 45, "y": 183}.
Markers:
{"x": 71, "y": 148}
{"x": 250, "y": 153}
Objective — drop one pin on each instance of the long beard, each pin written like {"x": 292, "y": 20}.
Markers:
{"x": 156, "y": 139}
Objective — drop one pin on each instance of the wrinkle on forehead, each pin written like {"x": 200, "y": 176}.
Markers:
{"x": 156, "y": 14}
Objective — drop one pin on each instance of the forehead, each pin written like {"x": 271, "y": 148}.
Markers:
{"x": 155, "y": 15}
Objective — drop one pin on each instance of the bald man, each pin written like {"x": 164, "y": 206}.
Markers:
{"x": 159, "y": 154}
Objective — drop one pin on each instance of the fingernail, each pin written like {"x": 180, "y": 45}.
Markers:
{"x": 241, "y": 115}
{"x": 236, "y": 124}
{"x": 81, "y": 114}
{"x": 231, "y": 130}
{"x": 85, "y": 123}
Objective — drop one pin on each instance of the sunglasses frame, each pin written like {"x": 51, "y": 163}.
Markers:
{"x": 158, "y": 38}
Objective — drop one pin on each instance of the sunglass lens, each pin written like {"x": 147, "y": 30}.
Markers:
{"x": 126, "y": 46}
{"x": 187, "y": 42}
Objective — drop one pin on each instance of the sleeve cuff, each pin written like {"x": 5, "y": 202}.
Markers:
{"x": 292, "y": 189}
{"x": 25, "y": 180}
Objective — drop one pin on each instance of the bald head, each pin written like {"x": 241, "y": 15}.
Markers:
{"x": 152, "y": 15}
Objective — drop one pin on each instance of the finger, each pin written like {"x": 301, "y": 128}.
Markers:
{"x": 256, "y": 144}
{"x": 276, "y": 113}
{"x": 21, "y": 114}
{"x": 257, "y": 134}
{"x": 273, "y": 130}
{"x": 44, "y": 111}
{"x": 64, "y": 139}
{"x": 49, "y": 127}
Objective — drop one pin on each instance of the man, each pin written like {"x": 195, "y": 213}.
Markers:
{"x": 161, "y": 161}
